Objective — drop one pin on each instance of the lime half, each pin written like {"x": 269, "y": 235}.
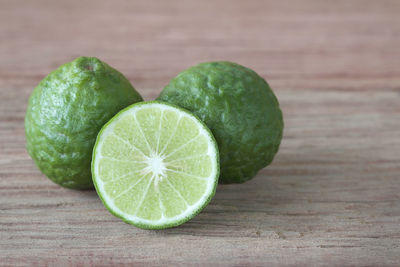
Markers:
{"x": 155, "y": 165}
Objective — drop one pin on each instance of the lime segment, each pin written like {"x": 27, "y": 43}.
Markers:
{"x": 155, "y": 165}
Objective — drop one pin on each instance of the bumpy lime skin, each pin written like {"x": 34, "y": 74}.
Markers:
{"x": 240, "y": 109}
{"x": 66, "y": 111}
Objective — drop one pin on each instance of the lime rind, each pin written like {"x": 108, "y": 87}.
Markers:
{"x": 192, "y": 208}
{"x": 240, "y": 109}
{"x": 65, "y": 112}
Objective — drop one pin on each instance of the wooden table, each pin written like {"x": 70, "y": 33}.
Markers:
{"x": 332, "y": 194}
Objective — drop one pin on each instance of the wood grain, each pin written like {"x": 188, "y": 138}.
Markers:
{"x": 331, "y": 196}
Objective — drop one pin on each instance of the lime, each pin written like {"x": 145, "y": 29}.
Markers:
{"x": 155, "y": 165}
{"x": 240, "y": 109}
{"x": 65, "y": 113}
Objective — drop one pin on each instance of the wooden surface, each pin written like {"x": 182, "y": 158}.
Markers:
{"x": 331, "y": 196}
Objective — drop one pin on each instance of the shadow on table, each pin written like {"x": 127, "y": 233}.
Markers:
{"x": 280, "y": 198}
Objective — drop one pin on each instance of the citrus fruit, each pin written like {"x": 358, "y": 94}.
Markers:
{"x": 65, "y": 113}
{"x": 240, "y": 109}
{"x": 155, "y": 165}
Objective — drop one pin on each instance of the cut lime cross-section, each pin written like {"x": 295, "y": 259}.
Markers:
{"x": 155, "y": 165}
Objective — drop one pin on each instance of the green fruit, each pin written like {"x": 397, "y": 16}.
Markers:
{"x": 155, "y": 165}
{"x": 240, "y": 109}
{"x": 65, "y": 113}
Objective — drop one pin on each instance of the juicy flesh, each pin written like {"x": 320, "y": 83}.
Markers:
{"x": 155, "y": 165}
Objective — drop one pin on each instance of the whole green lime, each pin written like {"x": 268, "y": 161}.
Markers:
{"x": 65, "y": 113}
{"x": 240, "y": 109}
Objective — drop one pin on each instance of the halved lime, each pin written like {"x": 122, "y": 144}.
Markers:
{"x": 155, "y": 165}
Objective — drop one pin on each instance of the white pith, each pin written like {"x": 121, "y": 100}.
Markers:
{"x": 157, "y": 167}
